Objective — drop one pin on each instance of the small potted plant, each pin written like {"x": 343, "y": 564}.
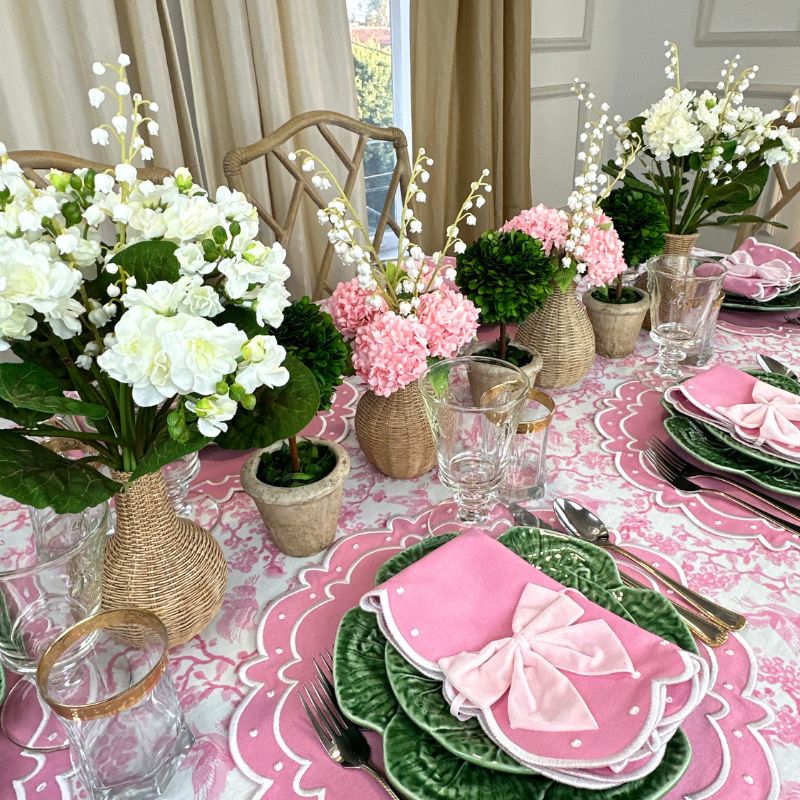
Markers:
{"x": 617, "y": 310}
{"x": 508, "y": 276}
{"x": 297, "y": 485}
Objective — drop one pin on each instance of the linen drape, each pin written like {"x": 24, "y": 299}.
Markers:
{"x": 224, "y": 74}
{"x": 470, "y": 101}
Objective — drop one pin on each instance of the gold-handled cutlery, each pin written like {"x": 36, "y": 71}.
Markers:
{"x": 342, "y": 740}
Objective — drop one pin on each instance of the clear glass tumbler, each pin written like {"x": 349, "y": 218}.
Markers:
{"x": 682, "y": 292}
{"x": 473, "y": 433}
{"x": 527, "y": 469}
{"x": 50, "y": 580}
{"x": 700, "y": 354}
{"x": 118, "y": 704}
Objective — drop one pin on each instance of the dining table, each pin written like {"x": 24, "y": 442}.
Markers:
{"x": 239, "y": 680}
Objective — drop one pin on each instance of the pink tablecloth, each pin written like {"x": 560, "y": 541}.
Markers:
{"x": 231, "y": 682}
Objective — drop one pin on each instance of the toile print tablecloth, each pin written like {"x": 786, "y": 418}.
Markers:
{"x": 236, "y": 680}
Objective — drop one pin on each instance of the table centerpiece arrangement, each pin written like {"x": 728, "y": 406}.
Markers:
{"x": 583, "y": 245}
{"x": 397, "y": 314}
{"x": 617, "y": 310}
{"x": 706, "y": 156}
{"x": 148, "y": 311}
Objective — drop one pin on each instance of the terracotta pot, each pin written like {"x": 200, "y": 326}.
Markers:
{"x": 616, "y": 325}
{"x": 301, "y": 520}
{"x": 561, "y": 331}
{"x": 395, "y": 434}
{"x": 675, "y": 244}
{"x": 161, "y": 562}
{"x": 484, "y": 376}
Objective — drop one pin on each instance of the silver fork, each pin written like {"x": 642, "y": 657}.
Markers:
{"x": 342, "y": 740}
{"x": 670, "y": 466}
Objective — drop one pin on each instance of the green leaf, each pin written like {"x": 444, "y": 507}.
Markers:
{"x": 279, "y": 413}
{"x": 29, "y": 386}
{"x": 736, "y": 219}
{"x": 165, "y": 450}
{"x": 25, "y": 417}
{"x": 35, "y": 476}
{"x": 243, "y": 318}
{"x": 149, "y": 262}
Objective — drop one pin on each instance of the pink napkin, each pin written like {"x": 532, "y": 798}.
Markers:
{"x": 560, "y": 683}
{"x": 760, "y": 271}
{"x": 756, "y": 413}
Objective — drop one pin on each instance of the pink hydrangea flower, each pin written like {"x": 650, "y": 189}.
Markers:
{"x": 349, "y": 308}
{"x": 390, "y": 352}
{"x": 549, "y": 225}
{"x": 450, "y": 319}
{"x": 603, "y": 253}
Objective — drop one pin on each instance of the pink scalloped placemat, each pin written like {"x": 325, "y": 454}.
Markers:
{"x": 632, "y": 415}
{"x": 273, "y": 744}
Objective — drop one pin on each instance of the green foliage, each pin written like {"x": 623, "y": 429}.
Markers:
{"x": 607, "y": 294}
{"x": 514, "y": 355}
{"x": 308, "y": 333}
{"x": 315, "y": 463}
{"x": 29, "y": 386}
{"x": 35, "y": 476}
{"x": 507, "y": 275}
{"x": 279, "y": 413}
{"x": 640, "y": 219}
{"x": 149, "y": 261}
{"x": 165, "y": 449}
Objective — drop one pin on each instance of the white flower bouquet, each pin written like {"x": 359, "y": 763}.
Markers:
{"x": 706, "y": 155}
{"x": 148, "y": 310}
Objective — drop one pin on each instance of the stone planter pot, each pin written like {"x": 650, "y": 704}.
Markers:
{"x": 483, "y": 376}
{"x": 616, "y": 325}
{"x": 301, "y": 520}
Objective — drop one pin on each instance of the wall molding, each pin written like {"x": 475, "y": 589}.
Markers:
{"x": 705, "y": 37}
{"x": 557, "y": 91}
{"x": 773, "y": 91}
{"x": 560, "y": 43}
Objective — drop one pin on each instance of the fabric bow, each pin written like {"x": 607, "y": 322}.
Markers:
{"x": 774, "y": 414}
{"x": 528, "y": 664}
{"x": 773, "y": 271}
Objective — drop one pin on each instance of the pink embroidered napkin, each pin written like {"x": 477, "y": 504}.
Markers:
{"x": 753, "y": 411}
{"x": 760, "y": 271}
{"x": 560, "y": 683}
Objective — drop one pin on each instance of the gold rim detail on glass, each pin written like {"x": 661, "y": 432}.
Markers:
{"x": 119, "y": 702}
{"x": 538, "y": 424}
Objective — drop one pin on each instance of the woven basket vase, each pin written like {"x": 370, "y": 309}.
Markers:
{"x": 161, "y": 562}
{"x": 675, "y": 244}
{"x": 561, "y": 331}
{"x": 395, "y": 434}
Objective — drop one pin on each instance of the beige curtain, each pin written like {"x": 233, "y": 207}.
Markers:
{"x": 224, "y": 72}
{"x": 471, "y": 105}
{"x": 253, "y": 65}
{"x": 47, "y": 72}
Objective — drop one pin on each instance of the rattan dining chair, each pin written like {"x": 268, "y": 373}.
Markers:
{"x": 783, "y": 194}
{"x": 36, "y": 162}
{"x": 327, "y": 123}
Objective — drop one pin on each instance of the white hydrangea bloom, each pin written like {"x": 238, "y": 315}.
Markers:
{"x": 670, "y": 127}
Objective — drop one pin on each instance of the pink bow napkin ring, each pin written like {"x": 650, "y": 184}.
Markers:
{"x": 530, "y": 664}
{"x": 773, "y": 416}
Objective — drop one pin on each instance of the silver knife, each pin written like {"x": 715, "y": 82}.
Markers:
{"x": 769, "y": 364}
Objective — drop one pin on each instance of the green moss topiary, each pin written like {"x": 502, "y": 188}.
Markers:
{"x": 641, "y": 221}
{"x": 508, "y": 276}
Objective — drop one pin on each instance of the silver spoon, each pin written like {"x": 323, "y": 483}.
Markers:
{"x": 584, "y": 524}
{"x": 769, "y": 364}
{"x": 702, "y": 627}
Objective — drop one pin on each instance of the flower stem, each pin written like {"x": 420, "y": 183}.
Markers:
{"x": 294, "y": 454}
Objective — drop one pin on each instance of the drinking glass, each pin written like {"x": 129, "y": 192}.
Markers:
{"x": 682, "y": 292}
{"x": 107, "y": 678}
{"x": 50, "y": 580}
{"x": 473, "y": 434}
{"x": 187, "y": 502}
{"x": 527, "y": 470}
{"x": 700, "y": 354}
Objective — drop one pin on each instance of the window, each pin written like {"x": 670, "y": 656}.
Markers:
{"x": 379, "y": 37}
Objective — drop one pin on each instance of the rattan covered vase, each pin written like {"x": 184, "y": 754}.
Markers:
{"x": 562, "y": 333}
{"x": 161, "y": 562}
{"x": 395, "y": 434}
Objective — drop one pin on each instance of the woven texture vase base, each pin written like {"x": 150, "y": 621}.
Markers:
{"x": 561, "y": 331}
{"x": 161, "y": 562}
{"x": 675, "y": 244}
{"x": 395, "y": 434}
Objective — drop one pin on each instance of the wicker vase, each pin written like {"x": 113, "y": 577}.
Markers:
{"x": 161, "y": 562}
{"x": 561, "y": 331}
{"x": 395, "y": 434}
{"x": 675, "y": 244}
